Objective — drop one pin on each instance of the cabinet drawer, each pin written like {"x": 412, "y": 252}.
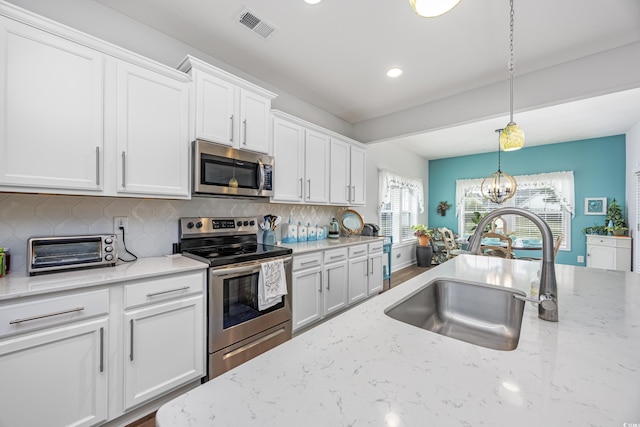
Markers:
{"x": 51, "y": 311}
{"x": 163, "y": 288}
{"x": 335, "y": 255}
{"x": 613, "y": 242}
{"x": 375, "y": 247}
{"x": 357, "y": 251}
{"x": 307, "y": 261}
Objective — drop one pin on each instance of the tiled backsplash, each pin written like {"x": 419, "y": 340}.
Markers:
{"x": 153, "y": 223}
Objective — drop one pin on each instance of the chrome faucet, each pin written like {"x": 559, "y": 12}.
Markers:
{"x": 548, "y": 288}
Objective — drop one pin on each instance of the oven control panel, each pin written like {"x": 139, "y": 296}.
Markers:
{"x": 202, "y": 227}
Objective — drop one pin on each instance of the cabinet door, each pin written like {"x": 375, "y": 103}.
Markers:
{"x": 375, "y": 274}
{"x": 601, "y": 257}
{"x": 336, "y": 287}
{"x": 51, "y": 92}
{"x": 307, "y": 297}
{"x": 55, "y": 378}
{"x": 339, "y": 180}
{"x": 288, "y": 150}
{"x": 316, "y": 166}
{"x": 358, "y": 178}
{"x": 164, "y": 348}
{"x": 153, "y": 136}
{"x": 358, "y": 269}
{"x": 217, "y": 118}
{"x": 255, "y": 111}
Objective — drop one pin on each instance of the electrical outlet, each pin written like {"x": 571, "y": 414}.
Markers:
{"x": 580, "y": 258}
{"x": 120, "y": 221}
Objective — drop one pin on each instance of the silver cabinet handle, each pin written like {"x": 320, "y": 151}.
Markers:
{"x": 300, "y": 188}
{"x": 328, "y": 280}
{"x": 244, "y": 132}
{"x": 352, "y": 198}
{"x": 184, "y": 288}
{"x": 231, "y": 128}
{"x": 124, "y": 164}
{"x": 315, "y": 261}
{"x": 336, "y": 256}
{"x": 348, "y": 193}
{"x": 309, "y": 185}
{"x": 42, "y": 316}
{"x": 131, "y": 340}
{"x": 359, "y": 252}
{"x": 320, "y": 287}
{"x": 97, "y": 165}
{"x": 101, "y": 349}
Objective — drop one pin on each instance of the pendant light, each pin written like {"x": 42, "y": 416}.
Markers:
{"x": 512, "y": 136}
{"x": 499, "y": 186}
{"x": 432, "y": 8}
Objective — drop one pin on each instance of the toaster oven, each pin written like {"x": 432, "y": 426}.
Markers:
{"x": 51, "y": 254}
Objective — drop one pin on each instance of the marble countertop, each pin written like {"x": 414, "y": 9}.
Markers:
{"x": 365, "y": 368}
{"x": 18, "y": 285}
{"x": 321, "y": 245}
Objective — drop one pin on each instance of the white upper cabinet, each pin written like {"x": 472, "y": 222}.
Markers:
{"x": 81, "y": 116}
{"x": 51, "y": 90}
{"x": 316, "y": 166}
{"x": 288, "y": 150}
{"x": 348, "y": 174}
{"x": 228, "y": 109}
{"x": 152, "y": 132}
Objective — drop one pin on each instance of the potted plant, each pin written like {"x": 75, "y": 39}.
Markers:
{"x": 595, "y": 229}
{"x": 442, "y": 207}
{"x": 422, "y": 233}
{"x": 615, "y": 221}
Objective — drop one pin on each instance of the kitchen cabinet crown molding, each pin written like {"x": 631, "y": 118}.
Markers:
{"x": 191, "y": 62}
{"x": 301, "y": 122}
{"x": 32, "y": 19}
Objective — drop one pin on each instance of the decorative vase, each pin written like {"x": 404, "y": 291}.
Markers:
{"x": 423, "y": 240}
{"x": 424, "y": 255}
{"x": 610, "y": 227}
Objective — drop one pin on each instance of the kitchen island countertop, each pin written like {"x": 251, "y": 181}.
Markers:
{"x": 365, "y": 368}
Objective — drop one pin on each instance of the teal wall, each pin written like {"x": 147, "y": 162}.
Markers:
{"x": 598, "y": 167}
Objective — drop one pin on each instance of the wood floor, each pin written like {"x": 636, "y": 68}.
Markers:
{"x": 397, "y": 277}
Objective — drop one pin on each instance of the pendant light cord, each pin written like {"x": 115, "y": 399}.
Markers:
{"x": 511, "y": 64}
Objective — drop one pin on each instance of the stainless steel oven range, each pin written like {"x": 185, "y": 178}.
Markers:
{"x": 237, "y": 329}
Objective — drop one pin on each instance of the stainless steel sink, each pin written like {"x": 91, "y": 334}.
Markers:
{"x": 476, "y": 313}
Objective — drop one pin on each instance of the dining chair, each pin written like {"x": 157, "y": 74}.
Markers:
{"x": 556, "y": 248}
{"x": 450, "y": 244}
{"x": 502, "y": 249}
{"x": 499, "y": 225}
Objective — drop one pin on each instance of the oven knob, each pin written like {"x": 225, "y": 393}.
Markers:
{"x": 252, "y": 223}
{"x": 108, "y": 240}
{"x": 189, "y": 225}
{"x": 108, "y": 257}
{"x": 246, "y": 223}
{"x": 239, "y": 223}
{"x": 198, "y": 224}
{"x": 108, "y": 249}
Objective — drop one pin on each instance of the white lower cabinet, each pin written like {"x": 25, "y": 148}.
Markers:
{"x": 83, "y": 358}
{"x": 55, "y": 374}
{"x": 163, "y": 348}
{"x": 612, "y": 253}
{"x": 335, "y": 281}
{"x": 329, "y": 281}
{"x": 306, "y": 290}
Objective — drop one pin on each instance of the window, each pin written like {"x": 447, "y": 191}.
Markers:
{"x": 549, "y": 195}
{"x": 401, "y": 199}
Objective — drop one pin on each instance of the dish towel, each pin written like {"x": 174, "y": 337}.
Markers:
{"x": 272, "y": 284}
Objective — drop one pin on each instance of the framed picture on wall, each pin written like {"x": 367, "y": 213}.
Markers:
{"x": 595, "y": 205}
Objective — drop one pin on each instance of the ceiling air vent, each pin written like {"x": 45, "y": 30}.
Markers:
{"x": 255, "y": 24}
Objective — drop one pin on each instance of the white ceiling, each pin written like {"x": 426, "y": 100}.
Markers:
{"x": 334, "y": 55}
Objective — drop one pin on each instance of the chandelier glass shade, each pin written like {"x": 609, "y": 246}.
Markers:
{"x": 499, "y": 186}
{"x": 432, "y": 8}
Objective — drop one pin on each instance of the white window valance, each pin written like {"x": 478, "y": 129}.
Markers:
{"x": 389, "y": 180}
{"x": 560, "y": 182}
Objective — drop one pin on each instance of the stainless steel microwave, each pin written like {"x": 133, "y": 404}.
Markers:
{"x": 51, "y": 254}
{"x": 219, "y": 170}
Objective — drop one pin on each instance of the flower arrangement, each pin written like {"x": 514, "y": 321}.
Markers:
{"x": 442, "y": 207}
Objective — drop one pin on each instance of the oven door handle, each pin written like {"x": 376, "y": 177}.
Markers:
{"x": 254, "y": 267}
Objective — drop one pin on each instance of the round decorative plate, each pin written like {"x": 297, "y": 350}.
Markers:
{"x": 351, "y": 221}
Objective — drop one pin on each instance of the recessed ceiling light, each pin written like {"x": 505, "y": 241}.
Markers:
{"x": 394, "y": 72}
{"x": 312, "y": 1}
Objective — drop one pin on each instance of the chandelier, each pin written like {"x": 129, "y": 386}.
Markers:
{"x": 499, "y": 186}
{"x": 512, "y": 136}
{"x": 432, "y": 8}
